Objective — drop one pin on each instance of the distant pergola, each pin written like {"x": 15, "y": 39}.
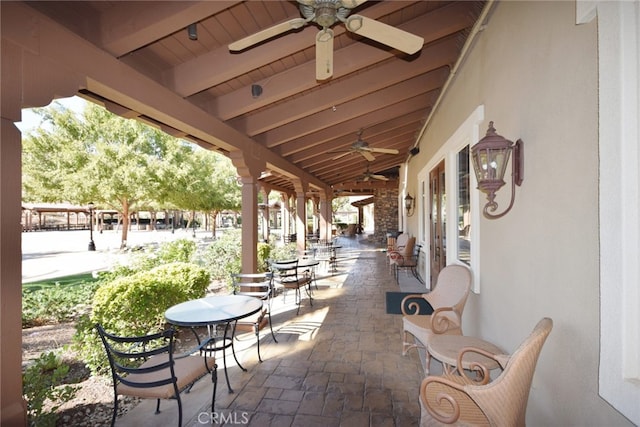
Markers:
{"x": 34, "y": 216}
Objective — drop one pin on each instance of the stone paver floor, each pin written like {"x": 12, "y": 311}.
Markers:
{"x": 337, "y": 363}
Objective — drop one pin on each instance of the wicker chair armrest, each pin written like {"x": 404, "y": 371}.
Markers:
{"x": 409, "y": 308}
{"x": 444, "y": 407}
{"x": 441, "y": 323}
{"x": 483, "y": 377}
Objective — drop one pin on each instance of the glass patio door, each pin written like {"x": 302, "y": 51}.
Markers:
{"x": 438, "y": 221}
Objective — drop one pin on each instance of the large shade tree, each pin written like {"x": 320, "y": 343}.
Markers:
{"x": 118, "y": 164}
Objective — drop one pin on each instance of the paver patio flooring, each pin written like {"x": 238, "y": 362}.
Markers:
{"x": 337, "y": 363}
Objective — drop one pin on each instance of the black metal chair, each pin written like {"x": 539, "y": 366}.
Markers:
{"x": 286, "y": 276}
{"x": 258, "y": 285}
{"x": 146, "y": 367}
{"x": 408, "y": 262}
{"x": 326, "y": 254}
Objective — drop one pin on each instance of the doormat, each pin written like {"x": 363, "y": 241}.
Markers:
{"x": 395, "y": 298}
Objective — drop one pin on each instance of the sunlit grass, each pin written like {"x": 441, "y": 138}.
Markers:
{"x": 73, "y": 280}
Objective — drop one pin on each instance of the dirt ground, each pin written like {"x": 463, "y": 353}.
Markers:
{"x": 93, "y": 402}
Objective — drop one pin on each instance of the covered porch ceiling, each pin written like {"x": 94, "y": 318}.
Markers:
{"x": 139, "y": 62}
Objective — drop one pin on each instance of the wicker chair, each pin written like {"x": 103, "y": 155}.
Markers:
{"x": 146, "y": 367}
{"x": 258, "y": 285}
{"x": 455, "y": 399}
{"x": 447, "y": 299}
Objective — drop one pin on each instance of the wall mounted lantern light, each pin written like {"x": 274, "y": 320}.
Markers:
{"x": 490, "y": 158}
{"x": 409, "y": 205}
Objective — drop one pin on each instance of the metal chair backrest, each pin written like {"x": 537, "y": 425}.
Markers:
{"x": 126, "y": 354}
{"x": 285, "y": 271}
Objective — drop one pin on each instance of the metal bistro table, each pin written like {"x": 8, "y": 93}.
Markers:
{"x": 211, "y": 312}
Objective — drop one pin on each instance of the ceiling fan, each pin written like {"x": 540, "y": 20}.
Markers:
{"x": 368, "y": 175}
{"x": 325, "y": 13}
{"x": 362, "y": 147}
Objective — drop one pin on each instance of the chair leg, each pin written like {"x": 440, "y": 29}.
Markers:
{"x": 214, "y": 380}
{"x": 271, "y": 328}
{"x": 258, "y": 341}
{"x": 157, "y": 406}
{"x": 427, "y": 363}
{"x": 179, "y": 410}
{"x": 115, "y": 411}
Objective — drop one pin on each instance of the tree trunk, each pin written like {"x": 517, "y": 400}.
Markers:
{"x": 214, "y": 215}
{"x": 125, "y": 223}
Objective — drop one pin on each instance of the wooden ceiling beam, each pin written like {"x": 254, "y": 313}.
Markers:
{"x": 441, "y": 22}
{"x": 391, "y": 139}
{"x": 355, "y": 108}
{"x": 435, "y": 60}
{"x": 128, "y": 26}
{"x": 319, "y": 142}
{"x": 220, "y": 65}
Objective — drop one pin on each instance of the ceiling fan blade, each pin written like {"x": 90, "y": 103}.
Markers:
{"x": 380, "y": 177}
{"x": 385, "y": 34}
{"x": 339, "y": 156}
{"x": 367, "y": 155}
{"x": 384, "y": 150}
{"x": 350, "y": 4}
{"x": 324, "y": 54}
{"x": 366, "y": 178}
{"x": 267, "y": 33}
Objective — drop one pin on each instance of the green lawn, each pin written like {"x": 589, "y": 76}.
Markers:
{"x": 74, "y": 280}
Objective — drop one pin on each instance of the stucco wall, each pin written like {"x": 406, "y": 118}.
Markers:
{"x": 535, "y": 72}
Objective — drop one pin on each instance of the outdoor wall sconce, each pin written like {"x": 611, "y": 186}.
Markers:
{"x": 490, "y": 158}
{"x": 409, "y": 205}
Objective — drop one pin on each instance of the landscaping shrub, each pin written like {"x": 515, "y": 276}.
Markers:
{"x": 264, "y": 253}
{"x": 135, "y": 305}
{"x": 181, "y": 250}
{"x": 40, "y": 383}
{"x": 281, "y": 253}
{"x": 55, "y": 304}
{"x": 223, "y": 257}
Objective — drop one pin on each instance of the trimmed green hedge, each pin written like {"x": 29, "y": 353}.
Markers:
{"x": 135, "y": 305}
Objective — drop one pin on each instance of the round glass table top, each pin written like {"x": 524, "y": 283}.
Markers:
{"x": 213, "y": 309}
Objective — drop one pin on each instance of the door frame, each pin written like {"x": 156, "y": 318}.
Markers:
{"x": 436, "y": 243}
{"x": 468, "y": 133}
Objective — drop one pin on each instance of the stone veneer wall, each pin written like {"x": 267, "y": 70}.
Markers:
{"x": 385, "y": 214}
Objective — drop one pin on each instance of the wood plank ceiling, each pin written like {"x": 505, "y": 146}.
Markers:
{"x": 374, "y": 89}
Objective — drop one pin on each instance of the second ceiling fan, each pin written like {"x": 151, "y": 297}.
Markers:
{"x": 325, "y": 13}
{"x": 362, "y": 147}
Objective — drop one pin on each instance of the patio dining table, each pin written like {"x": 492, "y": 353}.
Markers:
{"x": 211, "y": 312}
